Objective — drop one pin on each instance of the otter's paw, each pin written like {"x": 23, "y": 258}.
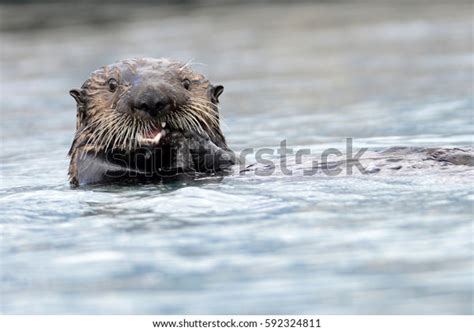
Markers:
{"x": 207, "y": 156}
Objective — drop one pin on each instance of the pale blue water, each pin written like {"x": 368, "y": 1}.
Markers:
{"x": 310, "y": 74}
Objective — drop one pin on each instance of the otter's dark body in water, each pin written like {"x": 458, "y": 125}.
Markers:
{"x": 146, "y": 119}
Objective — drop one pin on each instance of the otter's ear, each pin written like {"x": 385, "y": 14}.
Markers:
{"x": 78, "y": 96}
{"x": 216, "y": 91}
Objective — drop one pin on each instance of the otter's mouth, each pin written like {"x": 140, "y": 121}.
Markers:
{"x": 152, "y": 136}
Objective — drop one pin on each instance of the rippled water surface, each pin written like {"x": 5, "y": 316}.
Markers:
{"x": 312, "y": 74}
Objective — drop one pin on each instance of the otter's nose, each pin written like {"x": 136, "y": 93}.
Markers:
{"x": 152, "y": 103}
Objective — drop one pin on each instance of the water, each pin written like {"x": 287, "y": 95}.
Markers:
{"x": 313, "y": 74}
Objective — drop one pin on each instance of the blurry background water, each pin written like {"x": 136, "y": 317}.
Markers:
{"x": 313, "y": 73}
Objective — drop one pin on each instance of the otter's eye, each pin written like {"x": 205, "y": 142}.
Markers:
{"x": 186, "y": 83}
{"x": 113, "y": 84}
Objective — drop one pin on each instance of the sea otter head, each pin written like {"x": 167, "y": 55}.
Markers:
{"x": 133, "y": 104}
{"x": 127, "y": 104}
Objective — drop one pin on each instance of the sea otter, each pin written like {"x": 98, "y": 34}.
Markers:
{"x": 155, "y": 119}
{"x": 146, "y": 119}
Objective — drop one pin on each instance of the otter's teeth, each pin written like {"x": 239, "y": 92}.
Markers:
{"x": 163, "y": 124}
{"x": 157, "y": 138}
{"x": 154, "y": 140}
